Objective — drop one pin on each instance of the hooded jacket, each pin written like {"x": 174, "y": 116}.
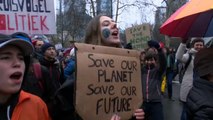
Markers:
{"x": 199, "y": 101}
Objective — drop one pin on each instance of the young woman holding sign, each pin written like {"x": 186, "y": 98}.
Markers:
{"x": 102, "y": 30}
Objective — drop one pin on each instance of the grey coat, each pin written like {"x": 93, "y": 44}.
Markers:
{"x": 187, "y": 81}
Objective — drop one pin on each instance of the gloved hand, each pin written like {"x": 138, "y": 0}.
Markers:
{"x": 184, "y": 40}
{"x": 153, "y": 43}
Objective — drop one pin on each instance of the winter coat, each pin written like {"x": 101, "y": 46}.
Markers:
{"x": 55, "y": 71}
{"x": 24, "y": 106}
{"x": 30, "y": 107}
{"x": 187, "y": 81}
{"x": 200, "y": 100}
{"x": 151, "y": 80}
{"x": 69, "y": 69}
{"x": 63, "y": 108}
{"x": 42, "y": 87}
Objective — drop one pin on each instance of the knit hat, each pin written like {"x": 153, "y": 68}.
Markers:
{"x": 45, "y": 46}
{"x": 153, "y": 43}
{"x": 203, "y": 62}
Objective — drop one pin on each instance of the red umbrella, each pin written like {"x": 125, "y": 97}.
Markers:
{"x": 194, "y": 19}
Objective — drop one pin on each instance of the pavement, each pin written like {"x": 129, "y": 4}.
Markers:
{"x": 172, "y": 108}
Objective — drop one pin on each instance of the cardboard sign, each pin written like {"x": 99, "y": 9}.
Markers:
{"x": 58, "y": 46}
{"x": 108, "y": 82}
{"x": 29, "y": 16}
{"x": 138, "y": 36}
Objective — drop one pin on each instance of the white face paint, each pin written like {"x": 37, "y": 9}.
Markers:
{"x": 109, "y": 32}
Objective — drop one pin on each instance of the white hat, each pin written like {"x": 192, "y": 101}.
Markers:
{"x": 24, "y": 44}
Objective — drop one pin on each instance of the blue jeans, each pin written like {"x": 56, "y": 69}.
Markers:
{"x": 183, "y": 114}
{"x": 170, "y": 77}
{"x": 153, "y": 110}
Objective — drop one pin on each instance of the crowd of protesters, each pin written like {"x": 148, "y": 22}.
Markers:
{"x": 39, "y": 78}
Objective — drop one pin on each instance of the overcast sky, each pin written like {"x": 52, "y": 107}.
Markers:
{"x": 133, "y": 15}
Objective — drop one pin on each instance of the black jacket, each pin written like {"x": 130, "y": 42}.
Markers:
{"x": 42, "y": 87}
{"x": 200, "y": 100}
{"x": 64, "y": 100}
{"x": 151, "y": 79}
{"x": 55, "y": 71}
{"x": 63, "y": 107}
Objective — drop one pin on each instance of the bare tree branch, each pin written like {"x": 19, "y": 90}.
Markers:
{"x": 93, "y": 8}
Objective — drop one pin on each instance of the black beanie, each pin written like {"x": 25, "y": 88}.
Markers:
{"x": 203, "y": 62}
{"x": 45, "y": 46}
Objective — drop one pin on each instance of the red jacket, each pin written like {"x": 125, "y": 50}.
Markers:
{"x": 30, "y": 107}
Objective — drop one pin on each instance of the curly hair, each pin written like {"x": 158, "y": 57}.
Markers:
{"x": 195, "y": 41}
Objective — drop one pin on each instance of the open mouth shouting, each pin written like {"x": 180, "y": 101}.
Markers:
{"x": 16, "y": 77}
{"x": 115, "y": 34}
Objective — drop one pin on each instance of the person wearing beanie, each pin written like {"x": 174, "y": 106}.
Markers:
{"x": 16, "y": 104}
{"x": 46, "y": 46}
{"x": 199, "y": 101}
{"x": 184, "y": 55}
{"x": 50, "y": 61}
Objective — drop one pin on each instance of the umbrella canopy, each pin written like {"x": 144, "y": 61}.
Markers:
{"x": 193, "y": 19}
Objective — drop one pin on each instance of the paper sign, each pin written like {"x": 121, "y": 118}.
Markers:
{"x": 29, "y": 16}
{"x": 138, "y": 36}
{"x": 108, "y": 82}
{"x": 58, "y": 46}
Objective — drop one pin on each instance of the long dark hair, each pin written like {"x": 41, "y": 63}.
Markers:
{"x": 93, "y": 35}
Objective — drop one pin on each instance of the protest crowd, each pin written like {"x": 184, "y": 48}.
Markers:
{"x": 37, "y": 82}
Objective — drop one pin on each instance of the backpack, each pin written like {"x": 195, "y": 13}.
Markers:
{"x": 183, "y": 67}
{"x": 38, "y": 75}
{"x": 34, "y": 82}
